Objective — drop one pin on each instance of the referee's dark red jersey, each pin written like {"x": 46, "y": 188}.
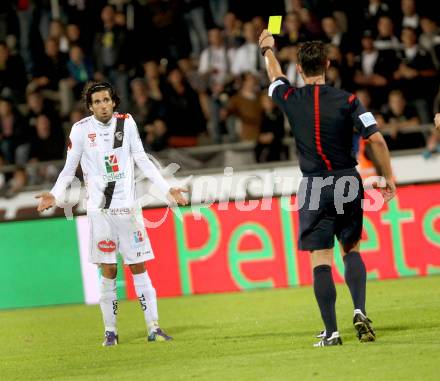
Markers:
{"x": 323, "y": 120}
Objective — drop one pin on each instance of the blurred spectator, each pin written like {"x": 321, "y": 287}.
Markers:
{"x": 73, "y": 35}
{"x": 416, "y": 73}
{"x": 57, "y": 32}
{"x": 373, "y": 11}
{"x": 398, "y": 116}
{"x": 13, "y": 138}
{"x": 430, "y": 38}
{"x": 171, "y": 38}
{"x": 270, "y": 145}
{"x": 37, "y": 105}
{"x": 12, "y": 74}
{"x": 248, "y": 57}
{"x": 51, "y": 68}
{"x": 110, "y": 54}
{"x": 410, "y": 18}
{"x": 386, "y": 40}
{"x": 219, "y": 8}
{"x": 246, "y": 108}
{"x": 291, "y": 70}
{"x": 373, "y": 68}
{"x": 143, "y": 108}
{"x": 232, "y": 31}
{"x": 80, "y": 70}
{"x": 195, "y": 23}
{"x": 154, "y": 79}
{"x": 156, "y": 138}
{"x": 338, "y": 74}
{"x": 293, "y": 31}
{"x": 259, "y": 24}
{"x": 215, "y": 65}
{"x": 47, "y": 143}
{"x": 334, "y": 36}
{"x": 185, "y": 120}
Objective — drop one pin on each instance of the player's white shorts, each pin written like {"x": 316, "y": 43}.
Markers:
{"x": 118, "y": 230}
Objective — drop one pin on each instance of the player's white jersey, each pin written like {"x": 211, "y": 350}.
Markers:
{"x": 108, "y": 171}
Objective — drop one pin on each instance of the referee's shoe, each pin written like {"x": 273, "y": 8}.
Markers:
{"x": 363, "y": 327}
{"x": 334, "y": 339}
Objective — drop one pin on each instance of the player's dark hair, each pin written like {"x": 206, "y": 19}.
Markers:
{"x": 312, "y": 56}
{"x": 94, "y": 87}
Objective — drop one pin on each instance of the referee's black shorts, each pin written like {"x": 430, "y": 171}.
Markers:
{"x": 335, "y": 210}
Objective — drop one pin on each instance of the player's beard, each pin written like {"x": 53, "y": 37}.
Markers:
{"x": 104, "y": 118}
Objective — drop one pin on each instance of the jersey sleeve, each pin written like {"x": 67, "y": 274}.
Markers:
{"x": 364, "y": 121}
{"x": 280, "y": 90}
{"x": 75, "y": 149}
{"x": 141, "y": 159}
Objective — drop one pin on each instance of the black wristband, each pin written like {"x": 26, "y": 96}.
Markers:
{"x": 265, "y": 49}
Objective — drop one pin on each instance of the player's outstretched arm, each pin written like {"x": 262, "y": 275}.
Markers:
{"x": 382, "y": 156}
{"x": 74, "y": 153}
{"x": 267, "y": 43}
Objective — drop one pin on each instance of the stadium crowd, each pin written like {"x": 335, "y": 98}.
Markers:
{"x": 190, "y": 71}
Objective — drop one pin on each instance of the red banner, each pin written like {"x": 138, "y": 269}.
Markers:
{"x": 223, "y": 248}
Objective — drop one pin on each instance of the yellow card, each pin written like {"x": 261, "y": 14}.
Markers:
{"x": 274, "y": 26}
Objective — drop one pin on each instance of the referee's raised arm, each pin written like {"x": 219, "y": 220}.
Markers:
{"x": 266, "y": 43}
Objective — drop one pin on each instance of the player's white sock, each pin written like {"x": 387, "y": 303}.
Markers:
{"x": 147, "y": 298}
{"x": 109, "y": 303}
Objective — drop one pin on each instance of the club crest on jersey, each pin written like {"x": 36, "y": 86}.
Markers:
{"x": 112, "y": 168}
{"x": 119, "y": 135}
{"x": 92, "y": 138}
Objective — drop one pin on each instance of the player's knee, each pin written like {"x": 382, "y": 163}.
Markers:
{"x": 137, "y": 268}
{"x": 109, "y": 271}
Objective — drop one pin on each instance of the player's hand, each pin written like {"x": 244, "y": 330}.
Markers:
{"x": 437, "y": 121}
{"x": 388, "y": 191}
{"x": 177, "y": 196}
{"x": 266, "y": 40}
{"x": 47, "y": 201}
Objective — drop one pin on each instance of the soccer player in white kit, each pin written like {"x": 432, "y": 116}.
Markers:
{"x": 107, "y": 145}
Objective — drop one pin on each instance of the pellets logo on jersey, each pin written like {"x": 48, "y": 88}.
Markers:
{"x": 111, "y": 164}
{"x": 106, "y": 246}
{"x": 112, "y": 168}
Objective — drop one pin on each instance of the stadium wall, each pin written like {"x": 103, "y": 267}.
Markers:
{"x": 228, "y": 246}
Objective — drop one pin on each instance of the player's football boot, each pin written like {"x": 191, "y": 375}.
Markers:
{"x": 159, "y": 335}
{"x": 363, "y": 327}
{"x": 334, "y": 339}
{"x": 321, "y": 334}
{"x": 110, "y": 339}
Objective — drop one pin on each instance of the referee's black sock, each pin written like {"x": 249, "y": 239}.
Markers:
{"x": 356, "y": 279}
{"x": 325, "y": 293}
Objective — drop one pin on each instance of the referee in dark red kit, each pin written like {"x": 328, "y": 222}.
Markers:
{"x": 323, "y": 120}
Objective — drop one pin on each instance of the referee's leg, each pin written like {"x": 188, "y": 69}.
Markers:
{"x": 355, "y": 274}
{"x": 356, "y": 279}
{"x": 324, "y": 288}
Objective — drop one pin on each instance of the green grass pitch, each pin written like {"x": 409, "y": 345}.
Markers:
{"x": 258, "y": 335}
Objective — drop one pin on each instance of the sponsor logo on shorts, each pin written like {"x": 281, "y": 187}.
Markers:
{"x": 138, "y": 237}
{"x": 106, "y": 246}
